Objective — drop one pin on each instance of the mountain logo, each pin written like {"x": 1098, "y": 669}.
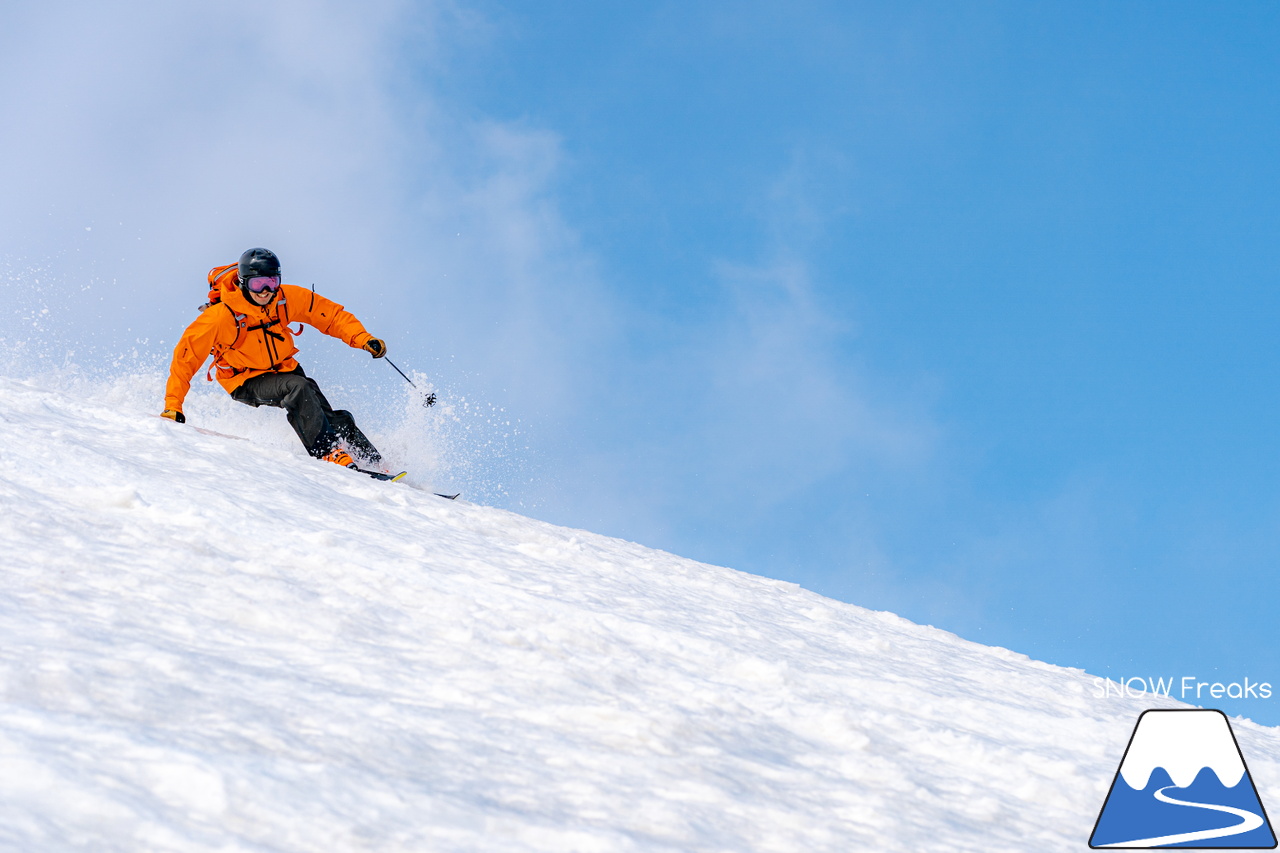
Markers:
{"x": 1183, "y": 783}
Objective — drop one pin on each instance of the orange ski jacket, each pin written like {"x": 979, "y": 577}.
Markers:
{"x": 247, "y": 340}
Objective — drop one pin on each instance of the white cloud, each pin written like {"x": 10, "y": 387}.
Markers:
{"x": 780, "y": 384}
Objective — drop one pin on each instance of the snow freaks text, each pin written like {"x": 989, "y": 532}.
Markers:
{"x": 1186, "y": 688}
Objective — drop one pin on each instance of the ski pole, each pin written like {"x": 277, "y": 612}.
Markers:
{"x": 429, "y": 400}
{"x": 398, "y": 370}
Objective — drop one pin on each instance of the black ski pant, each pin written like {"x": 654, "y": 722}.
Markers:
{"x": 317, "y": 424}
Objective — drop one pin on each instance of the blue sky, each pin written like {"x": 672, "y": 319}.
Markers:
{"x": 964, "y": 311}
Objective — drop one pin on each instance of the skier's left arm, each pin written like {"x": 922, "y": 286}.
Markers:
{"x": 330, "y": 318}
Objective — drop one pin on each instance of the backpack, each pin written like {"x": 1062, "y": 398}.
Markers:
{"x": 219, "y": 276}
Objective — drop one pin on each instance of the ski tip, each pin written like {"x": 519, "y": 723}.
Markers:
{"x": 448, "y": 497}
{"x": 397, "y": 477}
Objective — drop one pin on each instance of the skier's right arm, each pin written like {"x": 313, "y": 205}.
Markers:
{"x": 197, "y": 342}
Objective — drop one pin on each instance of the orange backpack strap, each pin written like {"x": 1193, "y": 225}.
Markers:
{"x": 217, "y": 353}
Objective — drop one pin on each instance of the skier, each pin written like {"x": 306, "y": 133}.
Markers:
{"x": 245, "y": 326}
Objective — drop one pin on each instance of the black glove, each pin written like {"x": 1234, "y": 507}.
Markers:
{"x": 376, "y": 347}
{"x": 174, "y": 415}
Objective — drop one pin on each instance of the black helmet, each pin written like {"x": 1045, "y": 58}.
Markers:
{"x": 258, "y": 262}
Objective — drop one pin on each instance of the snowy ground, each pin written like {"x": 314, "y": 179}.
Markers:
{"x": 219, "y": 645}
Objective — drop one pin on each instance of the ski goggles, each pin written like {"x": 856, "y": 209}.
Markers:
{"x": 260, "y": 283}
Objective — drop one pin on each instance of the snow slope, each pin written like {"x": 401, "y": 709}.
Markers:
{"x": 219, "y": 645}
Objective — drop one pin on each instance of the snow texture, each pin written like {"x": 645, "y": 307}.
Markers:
{"x": 219, "y": 645}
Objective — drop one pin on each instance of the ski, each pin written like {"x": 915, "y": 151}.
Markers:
{"x": 380, "y": 475}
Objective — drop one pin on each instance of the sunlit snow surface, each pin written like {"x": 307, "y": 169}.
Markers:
{"x": 210, "y": 644}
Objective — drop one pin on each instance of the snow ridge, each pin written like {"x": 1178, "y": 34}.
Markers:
{"x": 209, "y": 644}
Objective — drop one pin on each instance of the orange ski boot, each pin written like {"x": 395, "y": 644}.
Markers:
{"x": 338, "y": 456}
